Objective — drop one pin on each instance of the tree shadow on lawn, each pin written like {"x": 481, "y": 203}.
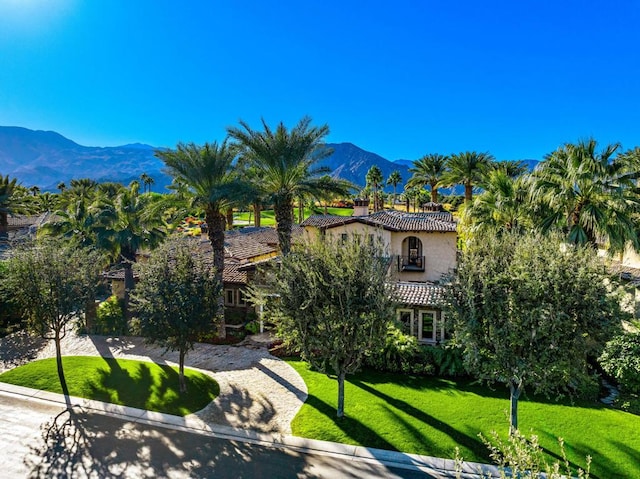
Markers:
{"x": 600, "y": 464}
{"x": 120, "y": 386}
{"x": 352, "y": 428}
{"x": 80, "y": 444}
{"x": 460, "y": 438}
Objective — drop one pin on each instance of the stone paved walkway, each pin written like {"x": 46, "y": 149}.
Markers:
{"x": 257, "y": 391}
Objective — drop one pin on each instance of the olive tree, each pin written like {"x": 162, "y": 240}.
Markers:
{"x": 529, "y": 310}
{"x": 176, "y": 299}
{"x": 334, "y": 304}
{"x": 51, "y": 282}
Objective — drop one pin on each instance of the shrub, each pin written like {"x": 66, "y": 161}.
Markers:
{"x": 447, "y": 360}
{"x": 110, "y": 318}
{"x": 401, "y": 353}
{"x": 621, "y": 360}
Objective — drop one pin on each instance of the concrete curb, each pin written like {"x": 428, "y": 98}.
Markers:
{"x": 427, "y": 464}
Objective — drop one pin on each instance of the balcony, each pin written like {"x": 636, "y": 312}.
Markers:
{"x": 411, "y": 263}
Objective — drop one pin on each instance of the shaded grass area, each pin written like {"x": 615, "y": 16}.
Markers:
{"x": 139, "y": 384}
{"x": 431, "y": 416}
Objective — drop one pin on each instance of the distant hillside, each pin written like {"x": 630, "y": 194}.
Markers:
{"x": 45, "y": 158}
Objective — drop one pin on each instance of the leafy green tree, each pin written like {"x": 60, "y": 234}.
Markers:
{"x": 374, "y": 180}
{"x": 529, "y": 311}
{"x": 285, "y": 162}
{"x": 428, "y": 170}
{"x": 334, "y": 304}
{"x": 621, "y": 360}
{"x": 176, "y": 300}
{"x": 51, "y": 282}
{"x": 395, "y": 178}
{"x": 467, "y": 169}
{"x": 590, "y": 195}
{"x": 210, "y": 176}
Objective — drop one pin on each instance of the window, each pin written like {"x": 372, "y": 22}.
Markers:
{"x": 242, "y": 299}
{"x": 427, "y": 327}
{"x": 405, "y": 318}
{"x": 229, "y": 295}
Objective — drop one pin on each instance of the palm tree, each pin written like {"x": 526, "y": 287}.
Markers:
{"x": 147, "y": 181}
{"x": 7, "y": 189}
{"x": 590, "y": 195}
{"x": 285, "y": 163}
{"x": 35, "y": 190}
{"x": 394, "y": 179}
{"x": 61, "y": 186}
{"x": 503, "y": 205}
{"x": 208, "y": 171}
{"x": 429, "y": 170}
{"x": 466, "y": 169}
{"x": 374, "y": 180}
{"x": 127, "y": 225}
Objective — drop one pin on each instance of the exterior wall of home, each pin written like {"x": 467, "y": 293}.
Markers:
{"x": 439, "y": 251}
{"x": 353, "y": 229}
{"x": 631, "y": 258}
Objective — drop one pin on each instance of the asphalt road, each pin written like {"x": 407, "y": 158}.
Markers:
{"x": 81, "y": 445}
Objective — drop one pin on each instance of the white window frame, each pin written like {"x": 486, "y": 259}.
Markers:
{"x": 242, "y": 300}
{"x": 434, "y": 318}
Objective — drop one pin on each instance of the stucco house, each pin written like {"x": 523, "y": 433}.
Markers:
{"x": 422, "y": 248}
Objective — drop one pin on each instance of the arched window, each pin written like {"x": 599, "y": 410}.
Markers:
{"x": 412, "y": 258}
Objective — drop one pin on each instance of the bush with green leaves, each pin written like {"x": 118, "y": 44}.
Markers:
{"x": 400, "y": 353}
{"x": 621, "y": 360}
{"x": 110, "y": 317}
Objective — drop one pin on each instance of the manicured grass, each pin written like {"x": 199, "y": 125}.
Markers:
{"x": 268, "y": 217}
{"x": 432, "y": 416}
{"x": 126, "y": 382}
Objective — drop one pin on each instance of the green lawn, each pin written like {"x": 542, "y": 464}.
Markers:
{"x": 267, "y": 217}
{"x": 432, "y": 416}
{"x": 126, "y": 382}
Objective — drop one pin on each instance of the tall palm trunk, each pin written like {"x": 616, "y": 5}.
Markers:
{"x": 434, "y": 193}
{"x": 129, "y": 284}
{"x": 283, "y": 209}
{"x": 229, "y": 218}
{"x": 216, "y": 225}
{"x": 468, "y": 192}
{"x": 4, "y": 226}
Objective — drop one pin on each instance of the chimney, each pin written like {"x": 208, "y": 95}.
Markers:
{"x": 361, "y": 207}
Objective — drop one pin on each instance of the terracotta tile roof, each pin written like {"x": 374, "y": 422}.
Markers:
{"x": 628, "y": 273}
{"x": 264, "y": 234}
{"x": 419, "y": 294}
{"x": 233, "y": 274}
{"x": 392, "y": 220}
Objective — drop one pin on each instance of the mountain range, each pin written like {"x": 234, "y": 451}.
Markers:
{"x": 46, "y": 158}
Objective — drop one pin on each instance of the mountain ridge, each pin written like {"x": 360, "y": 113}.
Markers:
{"x": 46, "y": 158}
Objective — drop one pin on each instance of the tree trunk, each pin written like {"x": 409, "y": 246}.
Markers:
{"x": 4, "y": 226}
{"x": 90, "y": 314}
{"x": 129, "y": 284}
{"x": 229, "y": 218}
{"x": 468, "y": 192}
{"x": 257, "y": 208}
{"x": 300, "y": 210}
{"x": 284, "y": 222}
{"x": 63, "y": 381}
{"x": 216, "y": 226}
{"x": 183, "y": 383}
{"x": 340, "y": 412}
{"x": 515, "y": 388}
{"x": 408, "y": 201}
{"x": 434, "y": 194}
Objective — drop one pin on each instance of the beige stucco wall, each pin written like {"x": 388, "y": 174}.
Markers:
{"x": 439, "y": 249}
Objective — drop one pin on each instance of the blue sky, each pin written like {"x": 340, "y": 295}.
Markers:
{"x": 399, "y": 78}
